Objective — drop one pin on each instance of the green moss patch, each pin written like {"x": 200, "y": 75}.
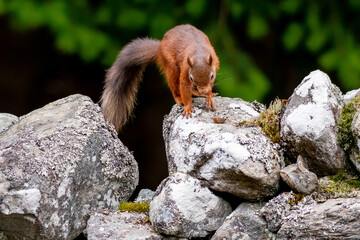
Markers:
{"x": 341, "y": 185}
{"x": 296, "y": 199}
{"x": 269, "y": 120}
{"x": 134, "y": 207}
{"x": 345, "y": 135}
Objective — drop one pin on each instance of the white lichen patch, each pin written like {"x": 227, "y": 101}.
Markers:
{"x": 310, "y": 120}
{"x": 188, "y": 193}
{"x": 317, "y": 84}
{"x": 21, "y": 202}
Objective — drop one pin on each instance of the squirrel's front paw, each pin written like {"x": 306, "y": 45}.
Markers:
{"x": 188, "y": 111}
{"x": 210, "y": 103}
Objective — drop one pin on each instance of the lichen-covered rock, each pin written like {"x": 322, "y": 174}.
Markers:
{"x": 183, "y": 207}
{"x": 334, "y": 219}
{"x": 309, "y": 124}
{"x": 350, "y": 95}
{"x": 245, "y": 223}
{"x": 57, "y": 163}
{"x": 355, "y": 151}
{"x": 277, "y": 209}
{"x": 6, "y": 120}
{"x": 228, "y": 157}
{"x": 299, "y": 178}
{"x": 121, "y": 225}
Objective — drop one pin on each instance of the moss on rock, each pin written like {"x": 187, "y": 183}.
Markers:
{"x": 346, "y": 137}
{"x": 134, "y": 207}
{"x": 269, "y": 120}
{"x": 341, "y": 185}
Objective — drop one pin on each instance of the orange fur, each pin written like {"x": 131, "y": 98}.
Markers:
{"x": 186, "y": 57}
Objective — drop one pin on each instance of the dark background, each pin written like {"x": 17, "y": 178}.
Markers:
{"x": 265, "y": 48}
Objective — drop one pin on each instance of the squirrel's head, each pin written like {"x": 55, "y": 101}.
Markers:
{"x": 202, "y": 73}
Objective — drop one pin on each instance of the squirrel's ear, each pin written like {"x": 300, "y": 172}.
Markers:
{"x": 190, "y": 61}
{"x": 209, "y": 59}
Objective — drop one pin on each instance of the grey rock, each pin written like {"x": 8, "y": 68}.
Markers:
{"x": 145, "y": 195}
{"x": 244, "y": 223}
{"x": 309, "y": 124}
{"x": 355, "y": 150}
{"x": 6, "y": 120}
{"x": 120, "y": 225}
{"x": 228, "y": 157}
{"x": 334, "y": 219}
{"x": 57, "y": 163}
{"x": 350, "y": 95}
{"x": 276, "y": 210}
{"x": 299, "y": 178}
{"x": 183, "y": 207}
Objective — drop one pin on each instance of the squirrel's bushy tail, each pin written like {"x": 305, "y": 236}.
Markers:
{"x": 123, "y": 78}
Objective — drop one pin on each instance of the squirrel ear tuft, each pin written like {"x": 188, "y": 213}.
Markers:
{"x": 209, "y": 59}
{"x": 190, "y": 61}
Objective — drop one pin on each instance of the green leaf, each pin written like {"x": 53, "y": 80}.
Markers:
{"x": 195, "y": 8}
{"x": 3, "y": 7}
{"x": 317, "y": 39}
{"x": 329, "y": 60}
{"x": 66, "y": 42}
{"x": 292, "y": 36}
{"x": 133, "y": 19}
{"x": 103, "y": 15}
{"x": 257, "y": 26}
{"x": 236, "y": 9}
{"x": 291, "y": 6}
{"x": 160, "y": 24}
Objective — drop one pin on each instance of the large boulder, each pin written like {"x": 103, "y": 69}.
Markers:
{"x": 56, "y": 164}
{"x": 227, "y": 156}
{"x": 309, "y": 124}
{"x": 183, "y": 207}
{"x": 245, "y": 223}
{"x": 296, "y": 217}
{"x": 333, "y": 219}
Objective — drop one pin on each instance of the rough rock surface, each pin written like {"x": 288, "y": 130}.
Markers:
{"x": 355, "y": 151}
{"x": 350, "y": 95}
{"x": 57, "y": 163}
{"x": 228, "y": 157}
{"x": 183, "y": 207}
{"x": 245, "y": 223}
{"x": 299, "y": 178}
{"x": 120, "y": 225}
{"x": 309, "y": 124}
{"x": 145, "y": 195}
{"x": 6, "y": 120}
{"x": 276, "y": 210}
{"x": 334, "y": 219}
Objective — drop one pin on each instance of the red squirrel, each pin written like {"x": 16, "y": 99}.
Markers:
{"x": 186, "y": 57}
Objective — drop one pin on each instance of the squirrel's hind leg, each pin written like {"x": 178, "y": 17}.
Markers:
{"x": 172, "y": 77}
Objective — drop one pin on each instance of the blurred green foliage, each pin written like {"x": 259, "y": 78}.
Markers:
{"x": 97, "y": 30}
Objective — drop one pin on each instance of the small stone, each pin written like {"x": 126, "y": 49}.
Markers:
{"x": 299, "y": 178}
{"x": 145, "y": 195}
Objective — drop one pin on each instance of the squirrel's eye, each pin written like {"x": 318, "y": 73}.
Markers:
{"x": 212, "y": 76}
{"x": 191, "y": 78}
